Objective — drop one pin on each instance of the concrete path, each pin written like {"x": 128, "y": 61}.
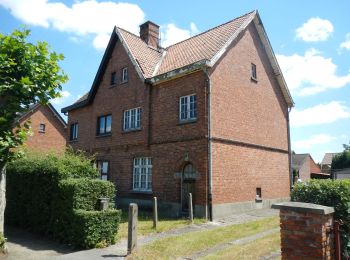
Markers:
{"x": 22, "y": 250}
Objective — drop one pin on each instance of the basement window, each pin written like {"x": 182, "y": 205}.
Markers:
{"x": 258, "y": 196}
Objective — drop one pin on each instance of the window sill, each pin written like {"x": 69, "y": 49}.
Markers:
{"x": 123, "y": 82}
{"x": 259, "y": 200}
{"x": 103, "y": 135}
{"x": 141, "y": 192}
{"x": 73, "y": 141}
{"x": 255, "y": 80}
{"x": 113, "y": 85}
{"x": 189, "y": 121}
{"x": 132, "y": 130}
{"x": 41, "y": 132}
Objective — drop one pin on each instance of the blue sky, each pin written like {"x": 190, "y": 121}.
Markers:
{"x": 311, "y": 40}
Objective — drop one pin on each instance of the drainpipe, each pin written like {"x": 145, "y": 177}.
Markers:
{"x": 289, "y": 152}
{"x": 210, "y": 203}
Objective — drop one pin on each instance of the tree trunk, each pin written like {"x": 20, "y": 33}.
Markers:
{"x": 2, "y": 197}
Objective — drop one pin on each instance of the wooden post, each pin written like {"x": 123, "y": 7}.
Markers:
{"x": 190, "y": 207}
{"x": 132, "y": 227}
{"x": 155, "y": 212}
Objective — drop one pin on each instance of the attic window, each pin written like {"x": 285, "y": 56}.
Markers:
{"x": 254, "y": 76}
{"x": 125, "y": 75}
{"x": 113, "y": 78}
{"x": 42, "y": 128}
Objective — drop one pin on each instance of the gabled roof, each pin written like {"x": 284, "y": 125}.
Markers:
{"x": 328, "y": 158}
{"x": 202, "y": 50}
{"x": 298, "y": 160}
{"x": 37, "y": 105}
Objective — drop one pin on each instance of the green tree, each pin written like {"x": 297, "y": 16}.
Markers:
{"x": 342, "y": 160}
{"x": 29, "y": 74}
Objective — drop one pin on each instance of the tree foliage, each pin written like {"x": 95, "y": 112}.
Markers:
{"x": 342, "y": 160}
{"x": 29, "y": 73}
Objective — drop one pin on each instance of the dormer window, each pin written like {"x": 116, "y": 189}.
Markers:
{"x": 113, "y": 78}
{"x": 254, "y": 76}
{"x": 125, "y": 75}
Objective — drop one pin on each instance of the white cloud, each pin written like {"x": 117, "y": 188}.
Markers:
{"x": 172, "y": 34}
{"x": 312, "y": 141}
{"x": 82, "y": 18}
{"x": 64, "y": 96}
{"x": 346, "y": 43}
{"x": 314, "y": 30}
{"x": 319, "y": 114}
{"x": 311, "y": 73}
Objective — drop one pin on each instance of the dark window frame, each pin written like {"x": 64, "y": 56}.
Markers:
{"x": 99, "y": 164}
{"x": 254, "y": 75}
{"x": 113, "y": 81}
{"x": 42, "y": 128}
{"x": 73, "y": 132}
{"x": 105, "y": 125}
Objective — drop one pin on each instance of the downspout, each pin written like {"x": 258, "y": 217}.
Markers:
{"x": 210, "y": 198}
{"x": 289, "y": 152}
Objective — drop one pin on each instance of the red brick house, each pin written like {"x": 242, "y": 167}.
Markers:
{"x": 208, "y": 115}
{"x": 49, "y": 130}
{"x": 306, "y": 167}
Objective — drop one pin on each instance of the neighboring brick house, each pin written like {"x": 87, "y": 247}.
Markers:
{"x": 306, "y": 167}
{"x": 49, "y": 130}
{"x": 327, "y": 162}
{"x": 208, "y": 115}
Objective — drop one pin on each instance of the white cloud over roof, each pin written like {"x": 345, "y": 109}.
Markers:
{"x": 82, "y": 18}
{"x": 311, "y": 73}
{"x": 319, "y": 114}
{"x": 314, "y": 30}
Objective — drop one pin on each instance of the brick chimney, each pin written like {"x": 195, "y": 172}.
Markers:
{"x": 149, "y": 33}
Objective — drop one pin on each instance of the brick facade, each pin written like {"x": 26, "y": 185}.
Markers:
{"x": 249, "y": 124}
{"x": 53, "y": 139}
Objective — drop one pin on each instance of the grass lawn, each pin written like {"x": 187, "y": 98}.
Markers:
{"x": 145, "y": 224}
{"x": 188, "y": 244}
{"x": 253, "y": 250}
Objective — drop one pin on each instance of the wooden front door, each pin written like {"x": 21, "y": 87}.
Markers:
{"x": 187, "y": 186}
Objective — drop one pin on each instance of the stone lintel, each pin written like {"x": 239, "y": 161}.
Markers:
{"x": 304, "y": 207}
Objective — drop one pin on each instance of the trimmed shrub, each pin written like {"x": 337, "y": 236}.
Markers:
{"x": 59, "y": 196}
{"x": 94, "y": 228}
{"x": 328, "y": 193}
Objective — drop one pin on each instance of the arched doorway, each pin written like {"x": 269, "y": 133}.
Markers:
{"x": 188, "y": 180}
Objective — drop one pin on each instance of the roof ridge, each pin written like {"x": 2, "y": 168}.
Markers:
{"x": 211, "y": 29}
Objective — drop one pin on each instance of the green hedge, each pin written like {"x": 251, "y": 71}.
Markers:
{"x": 95, "y": 228}
{"x": 45, "y": 192}
{"x": 328, "y": 193}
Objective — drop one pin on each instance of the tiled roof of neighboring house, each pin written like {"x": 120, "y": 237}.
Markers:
{"x": 202, "y": 50}
{"x": 298, "y": 160}
{"x": 37, "y": 105}
{"x": 328, "y": 158}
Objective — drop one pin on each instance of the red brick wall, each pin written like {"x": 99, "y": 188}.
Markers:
{"x": 314, "y": 168}
{"x": 249, "y": 112}
{"x": 168, "y": 142}
{"x": 54, "y": 138}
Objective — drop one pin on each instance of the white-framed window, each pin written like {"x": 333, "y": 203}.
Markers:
{"x": 142, "y": 176}
{"x": 125, "y": 75}
{"x": 132, "y": 119}
{"x": 74, "y": 131}
{"x": 188, "y": 107}
{"x": 103, "y": 168}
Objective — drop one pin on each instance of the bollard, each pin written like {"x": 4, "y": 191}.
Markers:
{"x": 190, "y": 207}
{"x": 103, "y": 203}
{"x": 155, "y": 213}
{"x": 132, "y": 227}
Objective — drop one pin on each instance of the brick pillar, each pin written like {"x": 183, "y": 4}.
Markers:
{"x": 306, "y": 231}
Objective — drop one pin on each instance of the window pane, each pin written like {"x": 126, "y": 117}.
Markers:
{"x": 104, "y": 167}
{"x": 133, "y": 118}
{"x": 108, "y": 123}
{"x": 104, "y": 177}
{"x": 138, "y": 118}
{"x": 102, "y": 125}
